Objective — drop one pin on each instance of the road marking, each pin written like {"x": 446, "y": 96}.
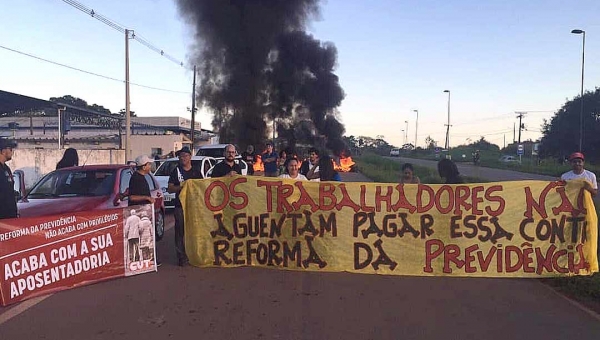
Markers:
{"x": 20, "y": 308}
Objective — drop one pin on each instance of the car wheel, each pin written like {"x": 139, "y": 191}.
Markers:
{"x": 160, "y": 226}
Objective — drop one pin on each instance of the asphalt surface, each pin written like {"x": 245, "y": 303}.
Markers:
{"x": 254, "y": 303}
{"x": 468, "y": 169}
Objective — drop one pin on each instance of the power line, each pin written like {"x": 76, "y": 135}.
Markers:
{"x": 89, "y": 72}
{"x": 121, "y": 28}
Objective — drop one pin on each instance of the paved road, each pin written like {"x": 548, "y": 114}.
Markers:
{"x": 252, "y": 303}
{"x": 467, "y": 169}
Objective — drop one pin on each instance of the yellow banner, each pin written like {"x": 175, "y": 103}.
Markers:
{"x": 504, "y": 229}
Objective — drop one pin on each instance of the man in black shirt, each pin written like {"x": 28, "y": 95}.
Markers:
{"x": 139, "y": 189}
{"x": 227, "y": 167}
{"x": 181, "y": 173}
{"x": 250, "y": 158}
{"x": 8, "y": 208}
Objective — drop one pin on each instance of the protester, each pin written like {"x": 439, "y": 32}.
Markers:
{"x": 448, "y": 170}
{"x": 250, "y": 158}
{"x": 69, "y": 158}
{"x": 269, "y": 159}
{"x": 180, "y": 174}
{"x": 227, "y": 167}
{"x": 577, "y": 161}
{"x": 476, "y": 157}
{"x": 282, "y": 162}
{"x": 139, "y": 190}
{"x": 132, "y": 233}
{"x": 293, "y": 171}
{"x": 310, "y": 168}
{"x": 8, "y": 207}
{"x": 326, "y": 170}
{"x": 408, "y": 175}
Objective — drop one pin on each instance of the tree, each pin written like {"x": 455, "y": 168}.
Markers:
{"x": 122, "y": 113}
{"x": 430, "y": 142}
{"x": 78, "y": 102}
{"x": 483, "y": 144}
{"x": 561, "y": 133}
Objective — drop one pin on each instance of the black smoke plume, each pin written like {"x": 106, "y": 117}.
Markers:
{"x": 258, "y": 64}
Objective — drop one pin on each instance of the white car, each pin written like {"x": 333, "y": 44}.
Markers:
{"x": 395, "y": 153}
{"x": 216, "y": 151}
{"x": 508, "y": 159}
{"x": 164, "y": 171}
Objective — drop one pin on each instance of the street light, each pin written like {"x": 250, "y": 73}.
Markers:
{"x": 416, "y": 127}
{"x": 582, "y": 32}
{"x": 447, "y": 147}
{"x": 406, "y": 132}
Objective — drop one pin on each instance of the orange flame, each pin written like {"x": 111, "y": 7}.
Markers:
{"x": 345, "y": 165}
{"x": 258, "y": 165}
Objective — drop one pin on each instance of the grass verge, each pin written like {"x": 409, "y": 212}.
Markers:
{"x": 584, "y": 289}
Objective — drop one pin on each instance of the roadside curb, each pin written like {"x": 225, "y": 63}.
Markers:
{"x": 579, "y": 305}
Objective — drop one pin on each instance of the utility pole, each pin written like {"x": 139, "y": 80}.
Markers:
{"x": 406, "y": 132}
{"x": 520, "y": 115}
{"x": 514, "y": 133}
{"x": 447, "y": 146}
{"x": 127, "y": 112}
{"x": 193, "y": 127}
{"x": 60, "y": 124}
{"x": 416, "y": 127}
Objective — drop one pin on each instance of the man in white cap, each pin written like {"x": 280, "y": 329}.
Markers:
{"x": 577, "y": 161}
{"x": 139, "y": 190}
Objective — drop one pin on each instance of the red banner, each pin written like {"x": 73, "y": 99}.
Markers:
{"x": 41, "y": 255}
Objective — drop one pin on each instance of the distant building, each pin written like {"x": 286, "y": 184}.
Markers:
{"x": 34, "y": 123}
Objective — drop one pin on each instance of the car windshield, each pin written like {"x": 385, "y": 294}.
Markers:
{"x": 167, "y": 167}
{"x": 75, "y": 183}
{"x": 212, "y": 152}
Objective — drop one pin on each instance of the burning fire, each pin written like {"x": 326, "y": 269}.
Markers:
{"x": 345, "y": 165}
{"x": 259, "y": 165}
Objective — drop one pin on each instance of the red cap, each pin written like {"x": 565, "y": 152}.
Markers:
{"x": 576, "y": 155}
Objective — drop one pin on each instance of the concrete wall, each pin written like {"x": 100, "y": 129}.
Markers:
{"x": 143, "y": 144}
{"x": 35, "y": 163}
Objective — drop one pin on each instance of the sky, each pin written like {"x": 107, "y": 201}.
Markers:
{"x": 496, "y": 58}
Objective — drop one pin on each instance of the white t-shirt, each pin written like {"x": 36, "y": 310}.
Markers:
{"x": 587, "y": 175}
{"x": 300, "y": 177}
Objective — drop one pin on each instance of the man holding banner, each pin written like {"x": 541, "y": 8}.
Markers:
{"x": 228, "y": 166}
{"x": 180, "y": 174}
{"x": 577, "y": 161}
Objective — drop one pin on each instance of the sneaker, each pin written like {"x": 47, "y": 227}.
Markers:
{"x": 158, "y": 263}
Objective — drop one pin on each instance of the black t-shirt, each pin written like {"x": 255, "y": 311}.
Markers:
{"x": 138, "y": 186}
{"x": 250, "y": 159}
{"x": 222, "y": 169}
{"x": 8, "y": 208}
{"x": 193, "y": 173}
